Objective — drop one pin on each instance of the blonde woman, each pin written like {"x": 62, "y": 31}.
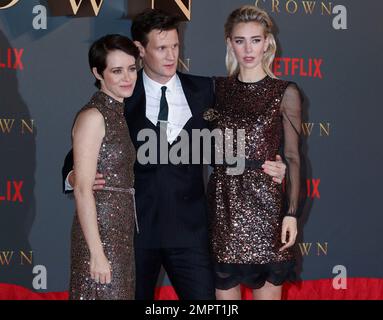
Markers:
{"x": 252, "y": 232}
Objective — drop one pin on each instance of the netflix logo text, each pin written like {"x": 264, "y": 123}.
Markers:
{"x": 11, "y": 58}
{"x": 303, "y": 67}
{"x": 11, "y": 191}
{"x": 311, "y": 189}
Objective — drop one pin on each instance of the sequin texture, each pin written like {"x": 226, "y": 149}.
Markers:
{"x": 246, "y": 210}
{"x": 115, "y": 211}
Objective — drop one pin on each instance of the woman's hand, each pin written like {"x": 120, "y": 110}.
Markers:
{"x": 275, "y": 169}
{"x": 289, "y": 232}
{"x": 100, "y": 270}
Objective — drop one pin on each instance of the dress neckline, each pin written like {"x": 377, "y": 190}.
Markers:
{"x": 249, "y": 83}
{"x": 109, "y": 102}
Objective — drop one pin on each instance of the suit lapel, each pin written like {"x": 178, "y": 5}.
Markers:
{"x": 135, "y": 106}
{"x": 136, "y": 103}
{"x": 192, "y": 95}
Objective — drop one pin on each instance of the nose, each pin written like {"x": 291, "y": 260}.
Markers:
{"x": 248, "y": 47}
{"x": 171, "y": 54}
{"x": 127, "y": 76}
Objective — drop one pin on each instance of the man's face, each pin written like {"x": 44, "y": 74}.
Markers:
{"x": 160, "y": 56}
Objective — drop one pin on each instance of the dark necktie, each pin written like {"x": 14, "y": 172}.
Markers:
{"x": 164, "y": 108}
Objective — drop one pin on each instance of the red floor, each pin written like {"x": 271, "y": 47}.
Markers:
{"x": 357, "y": 289}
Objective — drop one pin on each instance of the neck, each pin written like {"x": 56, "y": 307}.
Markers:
{"x": 251, "y": 75}
{"x": 108, "y": 93}
{"x": 156, "y": 77}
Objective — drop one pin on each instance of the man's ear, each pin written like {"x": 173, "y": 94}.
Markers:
{"x": 140, "y": 48}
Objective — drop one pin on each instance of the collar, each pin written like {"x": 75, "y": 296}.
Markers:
{"x": 155, "y": 87}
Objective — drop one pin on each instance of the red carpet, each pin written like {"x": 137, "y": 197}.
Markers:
{"x": 357, "y": 289}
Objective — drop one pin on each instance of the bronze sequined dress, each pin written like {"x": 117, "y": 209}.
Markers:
{"x": 246, "y": 210}
{"x": 115, "y": 207}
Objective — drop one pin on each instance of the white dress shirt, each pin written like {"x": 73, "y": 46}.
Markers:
{"x": 179, "y": 110}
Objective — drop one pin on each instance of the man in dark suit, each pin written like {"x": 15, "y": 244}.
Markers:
{"x": 170, "y": 199}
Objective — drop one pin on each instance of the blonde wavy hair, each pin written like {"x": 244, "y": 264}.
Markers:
{"x": 250, "y": 14}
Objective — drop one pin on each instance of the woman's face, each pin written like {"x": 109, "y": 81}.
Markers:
{"x": 248, "y": 43}
{"x": 120, "y": 75}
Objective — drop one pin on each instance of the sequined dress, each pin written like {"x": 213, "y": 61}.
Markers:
{"x": 246, "y": 210}
{"x": 115, "y": 207}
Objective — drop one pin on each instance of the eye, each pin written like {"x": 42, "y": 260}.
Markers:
{"x": 256, "y": 40}
{"x": 238, "y": 41}
{"x": 133, "y": 69}
{"x": 161, "y": 48}
{"x": 117, "y": 71}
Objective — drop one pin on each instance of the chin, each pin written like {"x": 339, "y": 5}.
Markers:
{"x": 127, "y": 95}
{"x": 170, "y": 72}
{"x": 249, "y": 65}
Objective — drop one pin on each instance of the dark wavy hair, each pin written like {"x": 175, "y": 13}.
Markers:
{"x": 149, "y": 20}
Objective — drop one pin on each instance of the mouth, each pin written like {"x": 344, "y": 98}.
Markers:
{"x": 127, "y": 87}
{"x": 248, "y": 59}
{"x": 169, "y": 66}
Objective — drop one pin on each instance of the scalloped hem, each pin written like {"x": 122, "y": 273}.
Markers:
{"x": 254, "y": 276}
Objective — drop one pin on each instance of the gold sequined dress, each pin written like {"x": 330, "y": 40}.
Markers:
{"x": 115, "y": 207}
{"x": 246, "y": 210}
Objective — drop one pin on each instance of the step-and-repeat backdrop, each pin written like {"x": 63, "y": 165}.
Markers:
{"x": 332, "y": 49}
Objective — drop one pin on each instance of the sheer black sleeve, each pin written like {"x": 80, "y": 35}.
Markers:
{"x": 291, "y": 108}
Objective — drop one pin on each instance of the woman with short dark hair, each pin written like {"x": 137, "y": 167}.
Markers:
{"x": 102, "y": 254}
